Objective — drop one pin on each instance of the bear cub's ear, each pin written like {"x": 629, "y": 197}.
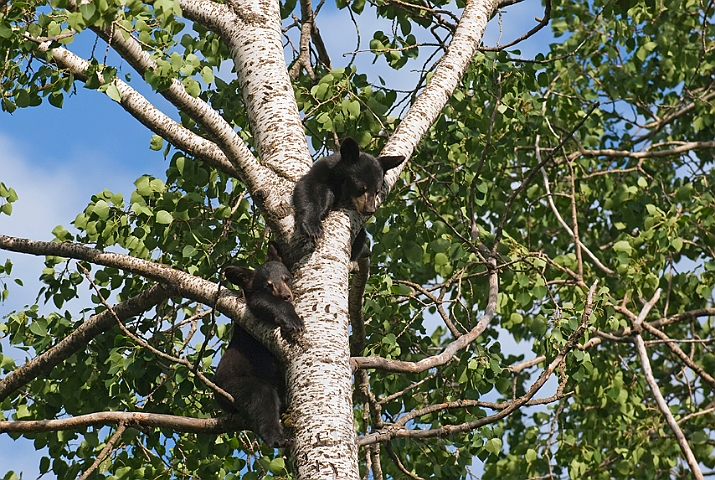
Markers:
{"x": 273, "y": 254}
{"x": 240, "y": 276}
{"x": 349, "y": 150}
{"x": 390, "y": 162}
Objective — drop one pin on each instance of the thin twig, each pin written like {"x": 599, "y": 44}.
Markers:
{"x": 105, "y": 451}
{"x": 660, "y": 401}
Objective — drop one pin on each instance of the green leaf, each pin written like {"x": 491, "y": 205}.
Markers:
{"x": 156, "y": 142}
{"x": 193, "y": 87}
{"x": 38, "y": 328}
{"x": 677, "y": 243}
{"x": 207, "y": 74}
{"x": 354, "y": 109}
{"x": 441, "y": 259}
{"x": 57, "y": 99}
{"x": 87, "y": 10}
{"x": 622, "y": 246}
{"x": 538, "y": 326}
{"x": 163, "y": 217}
{"x": 277, "y": 465}
{"x": 113, "y": 93}
{"x": 493, "y": 445}
{"x": 530, "y": 455}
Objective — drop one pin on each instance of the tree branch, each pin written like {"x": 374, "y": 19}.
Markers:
{"x": 229, "y": 423}
{"x": 105, "y": 451}
{"x": 660, "y": 401}
{"x": 681, "y": 354}
{"x": 684, "y": 147}
{"x": 398, "y": 431}
{"x": 446, "y": 355}
{"x": 435, "y": 95}
{"x": 181, "y": 361}
{"x": 151, "y": 117}
{"x": 182, "y": 283}
{"x": 252, "y": 31}
{"x": 355, "y": 303}
{"x": 563, "y": 223}
{"x": 542, "y": 23}
{"x": 307, "y": 22}
{"x": 209, "y": 119}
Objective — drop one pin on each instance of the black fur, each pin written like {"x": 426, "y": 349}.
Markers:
{"x": 255, "y": 379}
{"x": 268, "y": 291}
{"x": 248, "y": 370}
{"x": 350, "y": 178}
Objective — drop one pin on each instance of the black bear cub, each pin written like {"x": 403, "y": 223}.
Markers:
{"x": 248, "y": 370}
{"x": 350, "y": 178}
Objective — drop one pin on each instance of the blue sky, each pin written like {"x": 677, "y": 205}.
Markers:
{"x": 56, "y": 159}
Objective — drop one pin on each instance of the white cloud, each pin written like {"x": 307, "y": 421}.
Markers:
{"x": 52, "y": 190}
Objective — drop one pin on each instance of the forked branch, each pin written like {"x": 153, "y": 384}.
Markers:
{"x": 451, "y": 349}
{"x": 398, "y": 431}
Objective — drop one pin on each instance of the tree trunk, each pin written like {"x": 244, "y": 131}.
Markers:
{"x": 319, "y": 375}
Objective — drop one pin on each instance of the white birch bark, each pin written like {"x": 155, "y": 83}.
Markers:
{"x": 318, "y": 367}
{"x": 319, "y": 372}
{"x": 255, "y": 42}
{"x": 430, "y": 102}
{"x": 252, "y": 32}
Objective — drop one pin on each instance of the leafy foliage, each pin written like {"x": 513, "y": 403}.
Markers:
{"x": 606, "y": 135}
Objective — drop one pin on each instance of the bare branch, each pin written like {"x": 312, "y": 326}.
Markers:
{"x": 438, "y": 302}
{"x": 105, "y": 451}
{"x": 682, "y": 148}
{"x": 526, "y": 364}
{"x": 542, "y": 23}
{"x": 697, "y": 414}
{"x": 391, "y": 452}
{"x": 446, "y": 355}
{"x": 701, "y": 312}
{"x": 563, "y": 223}
{"x": 355, "y": 296}
{"x": 229, "y": 423}
{"x": 660, "y": 401}
{"x": 322, "y": 51}
{"x": 681, "y": 354}
{"x": 309, "y": 30}
{"x": 398, "y": 431}
{"x": 655, "y": 126}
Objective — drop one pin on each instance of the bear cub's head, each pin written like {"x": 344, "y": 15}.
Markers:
{"x": 272, "y": 277}
{"x": 361, "y": 175}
